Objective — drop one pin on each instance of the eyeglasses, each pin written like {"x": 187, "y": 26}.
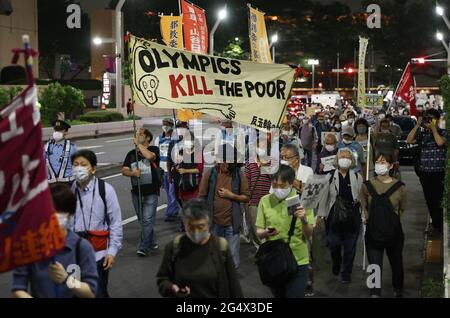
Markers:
{"x": 287, "y": 158}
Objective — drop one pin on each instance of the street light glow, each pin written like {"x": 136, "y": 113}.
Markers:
{"x": 439, "y": 36}
{"x": 274, "y": 38}
{"x": 97, "y": 41}
{"x": 222, "y": 14}
{"x": 440, "y": 10}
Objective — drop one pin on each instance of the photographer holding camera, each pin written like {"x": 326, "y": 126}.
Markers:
{"x": 432, "y": 143}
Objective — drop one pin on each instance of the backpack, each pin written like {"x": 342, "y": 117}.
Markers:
{"x": 276, "y": 262}
{"x": 102, "y": 193}
{"x": 383, "y": 225}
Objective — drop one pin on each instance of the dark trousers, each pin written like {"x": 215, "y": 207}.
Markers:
{"x": 295, "y": 287}
{"x": 342, "y": 242}
{"x": 394, "y": 253}
{"x": 307, "y": 160}
{"x": 102, "y": 283}
{"x": 433, "y": 190}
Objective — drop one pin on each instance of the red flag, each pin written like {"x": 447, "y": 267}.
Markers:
{"x": 195, "y": 29}
{"x": 406, "y": 89}
{"x": 29, "y": 228}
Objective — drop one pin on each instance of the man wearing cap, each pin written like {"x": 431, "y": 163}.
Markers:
{"x": 58, "y": 153}
{"x": 162, "y": 142}
{"x": 348, "y": 135}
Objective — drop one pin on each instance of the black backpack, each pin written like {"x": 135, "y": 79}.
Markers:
{"x": 383, "y": 225}
{"x": 276, "y": 262}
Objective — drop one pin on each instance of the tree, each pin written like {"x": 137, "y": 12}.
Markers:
{"x": 56, "y": 99}
{"x": 233, "y": 50}
{"x": 8, "y": 94}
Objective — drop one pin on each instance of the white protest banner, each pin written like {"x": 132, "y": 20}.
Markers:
{"x": 325, "y": 133}
{"x": 328, "y": 163}
{"x": 249, "y": 93}
{"x": 363, "y": 43}
{"x": 314, "y": 191}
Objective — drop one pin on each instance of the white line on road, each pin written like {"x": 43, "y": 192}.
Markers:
{"x": 134, "y": 218}
{"x": 100, "y": 153}
{"x": 113, "y": 176}
{"x": 89, "y": 147}
{"x": 100, "y": 164}
{"x": 117, "y": 140}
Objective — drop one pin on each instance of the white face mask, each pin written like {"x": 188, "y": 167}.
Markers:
{"x": 281, "y": 194}
{"x": 58, "y": 136}
{"x": 350, "y": 121}
{"x": 80, "y": 174}
{"x": 305, "y": 121}
{"x": 381, "y": 116}
{"x": 337, "y": 126}
{"x": 63, "y": 220}
{"x": 381, "y": 169}
{"x": 284, "y": 162}
{"x": 197, "y": 237}
{"x": 347, "y": 142}
{"x": 330, "y": 148}
{"x": 344, "y": 163}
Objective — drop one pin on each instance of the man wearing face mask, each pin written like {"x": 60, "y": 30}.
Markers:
{"x": 321, "y": 126}
{"x": 350, "y": 119}
{"x": 50, "y": 279}
{"x": 329, "y": 152}
{"x": 163, "y": 142}
{"x": 308, "y": 137}
{"x": 58, "y": 153}
{"x": 198, "y": 264}
{"x": 291, "y": 157}
{"x": 225, "y": 187}
{"x": 431, "y": 162}
{"x": 98, "y": 217}
{"x": 143, "y": 169}
{"x": 348, "y": 134}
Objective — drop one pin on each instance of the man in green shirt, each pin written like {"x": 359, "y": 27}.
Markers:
{"x": 273, "y": 222}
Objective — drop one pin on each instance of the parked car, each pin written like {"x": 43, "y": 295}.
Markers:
{"x": 407, "y": 151}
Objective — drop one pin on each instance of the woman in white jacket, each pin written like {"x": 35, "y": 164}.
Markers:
{"x": 341, "y": 210}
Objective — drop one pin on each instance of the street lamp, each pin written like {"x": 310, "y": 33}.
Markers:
{"x": 313, "y": 62}
{"x": 441, "y": 12}
{"x": 274, "y": 39}
{"x": 99, "y": 41}
{"x": 440, "y": 37}
{"x": 220, "y": 16}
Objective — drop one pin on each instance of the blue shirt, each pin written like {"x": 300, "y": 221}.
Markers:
{"x": 163, "y": 143}
{"x": 37, "y": 277}
{"x": 55, "y": 155}
{"x": 432, "y": 157}
{"x": 93, "y": 214}
{"x": 358, "y": 153}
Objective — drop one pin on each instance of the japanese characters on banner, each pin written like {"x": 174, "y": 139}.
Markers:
{"x": 259, "y": 43}
{"x": 249, "y": 93}
{"x": 172, "y": 31}
{"x": 195, "y": 28}
{"x": 29, "y": 228}
{"x": 406, "y": 89}
{"x": 363, "y": 42}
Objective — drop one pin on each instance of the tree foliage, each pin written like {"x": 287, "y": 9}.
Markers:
{"x": 56, "y": 99}
{"x": 7, "y": 94}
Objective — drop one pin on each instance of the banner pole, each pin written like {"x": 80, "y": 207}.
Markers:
{"x": 367, "y": 179}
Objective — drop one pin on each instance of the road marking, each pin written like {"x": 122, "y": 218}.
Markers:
{"x": 134, "y": 218}
{"x": 113, "y": 176}
{"x": 117, "y": 140}
{"x": 89, "y": 147}
{"x": 100, "y": 164}
{"x": 100, "y": 153}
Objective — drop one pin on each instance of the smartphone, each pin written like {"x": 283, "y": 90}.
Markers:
{"x": 292, "y": 204}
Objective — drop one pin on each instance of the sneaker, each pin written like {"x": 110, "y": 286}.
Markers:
{"x": 141, "y": 253}
{"x": 154, "y": 247}
{"x": 309, "y": 292}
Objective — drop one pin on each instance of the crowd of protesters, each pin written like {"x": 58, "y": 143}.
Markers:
{"x": 357, "y": 152}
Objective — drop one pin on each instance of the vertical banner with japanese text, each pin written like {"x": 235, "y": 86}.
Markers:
{"x": 172, "y": 31}
{"x": 363, "y": 43}
{"x": 29, "y": 228}
{"x": 195, "y": 28}
{"x": 259, "y": 42}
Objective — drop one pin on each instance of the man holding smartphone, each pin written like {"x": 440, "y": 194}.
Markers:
{"x": 433, "y": 144}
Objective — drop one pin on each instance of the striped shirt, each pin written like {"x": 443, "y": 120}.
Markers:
{"x": 259, "y": 184}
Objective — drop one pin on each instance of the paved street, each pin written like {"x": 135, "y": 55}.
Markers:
{"x": 135, "y": 277}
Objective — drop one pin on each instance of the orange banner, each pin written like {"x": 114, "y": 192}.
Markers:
{"x": 172, "y": 31}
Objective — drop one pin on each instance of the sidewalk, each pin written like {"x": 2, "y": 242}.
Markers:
{"x": 414, "y": 223}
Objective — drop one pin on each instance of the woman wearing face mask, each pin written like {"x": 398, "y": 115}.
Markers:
{"x": 198, "y": 264}
{"x": 50, "y": 278}
{"x": 98, "y": 217}
{"x": 329, "y": 151}
{"x": 274, "y": 221}
{"x": 342, "y": 199}
{"x": 392, "y": 233}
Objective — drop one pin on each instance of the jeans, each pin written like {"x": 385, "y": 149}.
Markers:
{"x": 149, "y": 205}
{"x": 433, "y": 190}
{"x": 294, "y": 288}
{"x": 307, "y": 160}
{"x": 234, "y": 240}
{"x": 172, "y": 204}
{"x": 338, "y": 242}
{"x": 102, "y": 282}
{"x": 394, "y": 253}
